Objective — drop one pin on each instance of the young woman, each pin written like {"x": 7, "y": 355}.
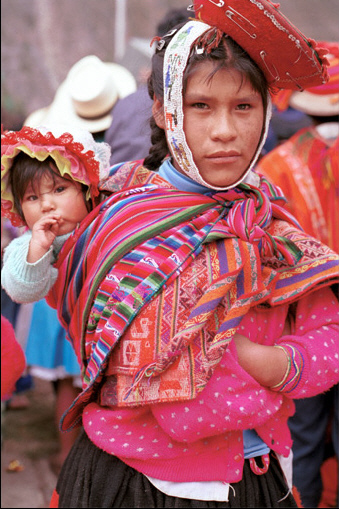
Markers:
{"x": 196, "y": 305}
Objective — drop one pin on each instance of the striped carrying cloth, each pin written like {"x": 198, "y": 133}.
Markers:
{"x": 141, "y": 238}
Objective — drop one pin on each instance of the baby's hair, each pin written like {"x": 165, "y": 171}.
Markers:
{"x": 26, "y": 170}
{"x": 227, "y": 55}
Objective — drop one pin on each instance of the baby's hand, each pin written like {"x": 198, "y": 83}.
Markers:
{"x": 44, "y": 232}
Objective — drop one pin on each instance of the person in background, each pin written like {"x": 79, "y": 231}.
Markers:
{"x": 19, "y": 317}
{"x": 129, "y": 134}
{"x": 13, "y": 360}
{"x": 50, "y": 357}
{"x": 284, "y": 123}
{"x": 86, "y": 97}
{"x": 306, "y": 167}
{"x": 13, "y": 364}
{"x": 190, "y": 294}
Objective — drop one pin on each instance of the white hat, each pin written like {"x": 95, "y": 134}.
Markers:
{"x": 323, "y": 100}
{"x": 87, "y": 95}
{"x": 315, "y": 104}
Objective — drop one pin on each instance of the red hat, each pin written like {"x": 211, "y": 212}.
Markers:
{"x": 321, "y": 100}
{"x": 287, "y": 58}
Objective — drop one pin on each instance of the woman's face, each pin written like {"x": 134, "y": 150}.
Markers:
{"x": 223, "y": 120}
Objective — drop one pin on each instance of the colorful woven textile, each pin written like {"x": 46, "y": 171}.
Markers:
{"x": 141, "y": 239}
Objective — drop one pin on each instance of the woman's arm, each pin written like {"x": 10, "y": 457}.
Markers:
{"x": 266, "y": 364}
{"x": 304, "y": 359}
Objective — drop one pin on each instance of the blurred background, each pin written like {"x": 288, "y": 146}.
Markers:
{"x": 42, "y": 39}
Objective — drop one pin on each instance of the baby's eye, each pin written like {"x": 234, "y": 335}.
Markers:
{"x": 60, "y": 189}
{"x": 30, "y": 197}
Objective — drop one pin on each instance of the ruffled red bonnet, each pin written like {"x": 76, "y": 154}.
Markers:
{"x": 77, "y": 155}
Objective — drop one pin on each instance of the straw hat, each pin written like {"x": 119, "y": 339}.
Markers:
{"x": 87, "y": 96}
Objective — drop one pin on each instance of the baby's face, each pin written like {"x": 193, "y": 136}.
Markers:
{"x": 62, "y": 197}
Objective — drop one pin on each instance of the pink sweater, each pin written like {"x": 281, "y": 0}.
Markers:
{"x": 201, "y": 440}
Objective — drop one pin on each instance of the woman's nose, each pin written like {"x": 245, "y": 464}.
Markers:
{"x": 223, "y": 127}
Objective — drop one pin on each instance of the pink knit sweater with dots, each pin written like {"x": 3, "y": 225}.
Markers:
{"x": 201, "y": 440}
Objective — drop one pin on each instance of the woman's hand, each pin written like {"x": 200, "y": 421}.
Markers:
{"x": 266, "y": 364}
{"x": 44, "y": 232}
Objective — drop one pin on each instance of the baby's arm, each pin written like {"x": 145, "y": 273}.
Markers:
{"x": 44, "y": 232}
{"x": 23, "y": 281}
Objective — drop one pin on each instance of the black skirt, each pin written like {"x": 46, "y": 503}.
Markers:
{"x": 92, "y": 478}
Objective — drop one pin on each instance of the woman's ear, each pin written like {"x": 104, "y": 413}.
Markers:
{"x": 158, "y": 113}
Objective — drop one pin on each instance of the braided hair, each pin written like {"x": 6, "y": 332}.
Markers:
{"x": 224, "y": 52}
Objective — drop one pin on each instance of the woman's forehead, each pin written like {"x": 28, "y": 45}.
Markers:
{"x": 204, "y": 77}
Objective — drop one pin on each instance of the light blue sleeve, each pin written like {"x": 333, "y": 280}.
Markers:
{"x": 26, "y": 282}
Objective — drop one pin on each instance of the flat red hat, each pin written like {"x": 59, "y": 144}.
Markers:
{"x": 287, "y": 58}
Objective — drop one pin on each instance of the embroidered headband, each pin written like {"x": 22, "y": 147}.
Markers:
{"x": 77, "y": 155}
{"x": 287, "y": 58}
{"x": 175, "y": 60}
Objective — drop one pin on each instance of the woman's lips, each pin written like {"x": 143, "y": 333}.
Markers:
{"x": 224, "y": 157}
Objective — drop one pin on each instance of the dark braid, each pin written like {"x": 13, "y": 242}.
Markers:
{"x": 159, "y": 148}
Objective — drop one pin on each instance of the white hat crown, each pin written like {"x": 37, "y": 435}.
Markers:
{"x": 91, "y": 87}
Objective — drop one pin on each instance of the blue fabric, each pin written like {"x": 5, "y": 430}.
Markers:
{"x": 253, "y": 445}
{"x": 129, "y": 134}
{"x": 47, "y": 345}
{"x": 271, "y": 141}
{"x": 181, "y": 181}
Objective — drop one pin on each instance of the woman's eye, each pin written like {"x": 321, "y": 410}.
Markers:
{"x": 199, "y": 106}
{"x": 244, "y": 106}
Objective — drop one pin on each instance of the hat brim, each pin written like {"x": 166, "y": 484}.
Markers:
{"x": 62, "y": 109}
{"x": 326, "y": 105}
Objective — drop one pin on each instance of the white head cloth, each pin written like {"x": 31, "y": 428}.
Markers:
{"x": 175, "y": 61}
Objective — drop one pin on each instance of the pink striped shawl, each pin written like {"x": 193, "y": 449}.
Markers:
{"x": 144, "y": 236}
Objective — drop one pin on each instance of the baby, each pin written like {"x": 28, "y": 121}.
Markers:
{"x": 49, "y": 184}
